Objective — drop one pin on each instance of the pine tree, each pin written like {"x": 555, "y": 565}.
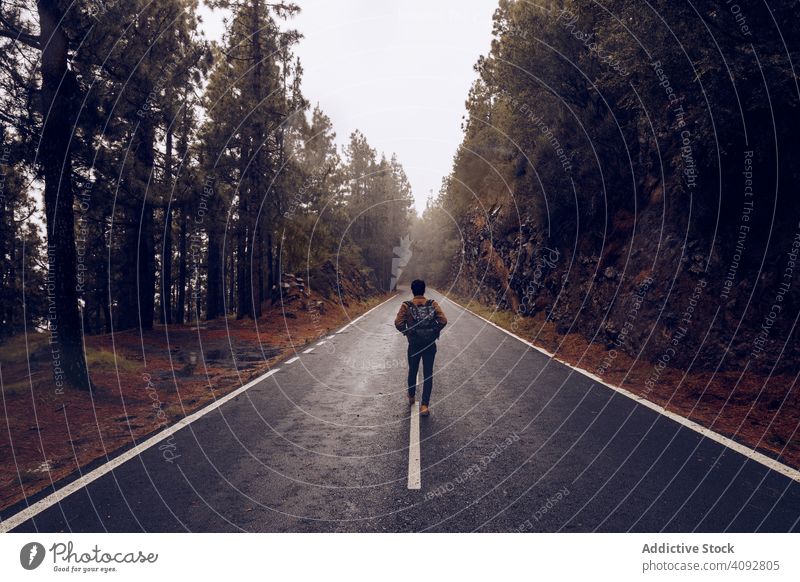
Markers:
{"x": 248, "y": 107}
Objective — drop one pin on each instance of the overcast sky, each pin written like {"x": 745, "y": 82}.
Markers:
{"x": 397, "y": 70}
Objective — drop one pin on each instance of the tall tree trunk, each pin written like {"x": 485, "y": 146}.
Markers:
{"x": 126, "y": 305}
{"x": 145, "y": 276}
{"x": 166, "y": 268}
{"x": 189, "y": 296}
{"x": 251, "y": 182}
{"x": 59, "y": 90}
{"x": 241, "y": 258}
{"x": 261, "y": 282}
{"x": 102, "y": 281}
{"x": 214, "y": 296}
{"x": 256, "y": 280}
{"x": 198, "y": 304}
{"x": 106, "y": 311}
{"x": 180, "y": 307}
{"x": 7, "y": 282}
{"x": 146, "y": 256}
{"x": 277, "y": 262}
{"x": 271, "y": 279}
{"x": 243, "y": 272}
{"x": 166, "y": 249}
{"x": 5, "y": 279}
{"x": 231, "y": 279}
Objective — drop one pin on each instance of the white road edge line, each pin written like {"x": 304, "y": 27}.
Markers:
{"x": 414, "y": 473}
{"x": 751, "y": 454}
{"x": 33, "y": 510}
{"x": 308, "y": 351}
{"x": 292, "y": 360}
{"x": 46, "y": 502}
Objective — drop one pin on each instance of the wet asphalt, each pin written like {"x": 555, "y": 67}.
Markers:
{"x": 515, "y": 442}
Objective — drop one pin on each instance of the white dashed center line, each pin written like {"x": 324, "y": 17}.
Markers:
{"x": 414, "y": 473}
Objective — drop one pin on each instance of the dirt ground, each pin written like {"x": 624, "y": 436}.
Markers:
{"x": 760, "y": 411}
{"x": 145, "y": 383}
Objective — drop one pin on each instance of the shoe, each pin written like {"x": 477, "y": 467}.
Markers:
{"x": 423, "y": 410}
{"x": 411, "y": 400}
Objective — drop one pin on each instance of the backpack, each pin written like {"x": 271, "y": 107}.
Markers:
{"x": 423, "y": 328}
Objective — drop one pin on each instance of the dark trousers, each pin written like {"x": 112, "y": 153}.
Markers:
{"x": 427, "y": 355}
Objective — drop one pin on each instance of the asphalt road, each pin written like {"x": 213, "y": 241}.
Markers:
{"x": 515, "y": 442}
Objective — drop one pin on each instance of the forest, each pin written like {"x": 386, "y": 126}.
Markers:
{"x": 179, "y": 223}
{"x": 608, "y": 145}
{"x": 151, "y": 177}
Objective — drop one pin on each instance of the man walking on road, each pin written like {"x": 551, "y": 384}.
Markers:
{"x": 420, "y": 320}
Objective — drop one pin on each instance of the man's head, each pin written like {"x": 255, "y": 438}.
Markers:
{"x": 418, "y": 287}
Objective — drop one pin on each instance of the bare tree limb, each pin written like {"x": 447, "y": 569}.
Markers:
{"x": 9, "y": 30}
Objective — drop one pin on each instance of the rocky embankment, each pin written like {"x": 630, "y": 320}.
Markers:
{"x": 656, "y": 297}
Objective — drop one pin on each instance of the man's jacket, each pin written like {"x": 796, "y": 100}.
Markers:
{"x": 403, "y": 319}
